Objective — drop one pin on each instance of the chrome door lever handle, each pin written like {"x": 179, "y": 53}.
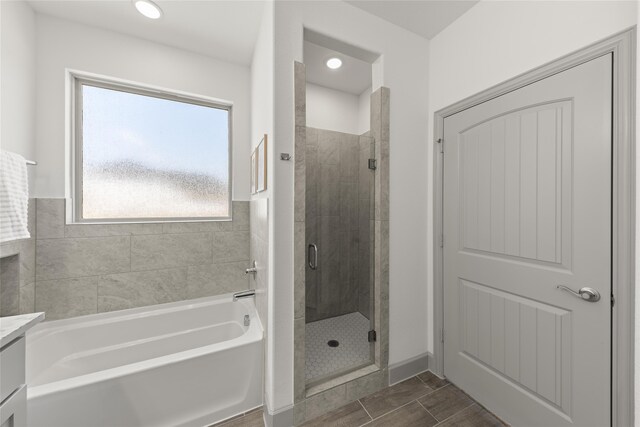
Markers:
{"x": 587, "y": 294}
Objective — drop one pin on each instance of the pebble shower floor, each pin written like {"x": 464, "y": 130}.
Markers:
{"x": 350, "y": 330}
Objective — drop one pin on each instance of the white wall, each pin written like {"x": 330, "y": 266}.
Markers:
{"x": 637, "y": 313}
{"x": 364, "y": 111}
{"x": 336, "y": 110}
{"x": 262, "y": 123}
{"x": 17, "y": 87}
{"x": 402, "y": 68}
{"x": 63, "y": 44}
{"x": 497, "y": 40}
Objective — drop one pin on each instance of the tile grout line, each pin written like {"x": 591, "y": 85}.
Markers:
{"x": 136, "y": 234}
{"x": 365, "y": 410}
{"x": 431, "y": 390}
{"x": 456, "y": 413}
{"x": 393, "y": 410}
{"x": 421, "y": 405}
{"x": 429, "y": 412}
{"x": 177, "y": 267}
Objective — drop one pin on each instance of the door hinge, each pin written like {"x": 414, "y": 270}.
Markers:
{"x": 373, "y": 164}
{"x": 613, "y": 300}
{"x": 372, "y": 336}
{"x": 442, "y": 240}
{"x": 442, "y": 335}
{"x": 440, "y": 143}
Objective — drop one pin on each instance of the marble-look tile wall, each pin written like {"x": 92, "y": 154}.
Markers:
{"x": 366, "y": 206}
{"x": 10, "y": 285}
{"x": 336, "y": 203}
{"x": 380, "y": 125}
{"x": 91, "y": 268}
{"x": 299, "y": 233}
{"x": 17, "y": 271}
{"x": 259, "y": 251}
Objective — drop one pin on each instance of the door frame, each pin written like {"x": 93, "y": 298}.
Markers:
{"x": 623, "y": 47}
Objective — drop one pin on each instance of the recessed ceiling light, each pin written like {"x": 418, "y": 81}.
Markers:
{"x": 148, "y": 8}
{"x": 334, "y": 63}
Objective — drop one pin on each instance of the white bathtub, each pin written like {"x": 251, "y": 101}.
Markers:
{"x": 190, "y": 363}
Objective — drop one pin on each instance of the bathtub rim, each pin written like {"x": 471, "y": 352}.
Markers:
{"x": 90, "y": 319}
{"x": 252, "y": 335}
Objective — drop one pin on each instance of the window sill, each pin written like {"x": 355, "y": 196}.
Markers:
{"x": 145, "y": 221}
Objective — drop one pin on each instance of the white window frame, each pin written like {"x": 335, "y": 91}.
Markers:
{"x": 76, "y": 80}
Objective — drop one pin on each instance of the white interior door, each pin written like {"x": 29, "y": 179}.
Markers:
{"x": 527, "y": 207}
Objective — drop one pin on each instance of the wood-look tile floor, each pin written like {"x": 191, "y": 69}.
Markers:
{"x": 424, "y": 400}
{"x": 250, "y": 419}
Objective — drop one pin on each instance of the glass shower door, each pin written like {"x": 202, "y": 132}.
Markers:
{"x": 339, "y": 238}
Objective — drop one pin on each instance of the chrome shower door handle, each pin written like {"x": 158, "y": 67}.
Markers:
{"x": 312, "y": 256}
{"x": 587, "y": 294}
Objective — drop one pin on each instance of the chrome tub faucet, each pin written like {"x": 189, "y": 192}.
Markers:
{"x": 243, "y": 294}
{"x": 252, "y": 270}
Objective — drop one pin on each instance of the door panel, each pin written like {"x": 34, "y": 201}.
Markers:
{"x": 527, "y": 207}
{"x": 521, "y": 339}
{"x": 498, "y": 178}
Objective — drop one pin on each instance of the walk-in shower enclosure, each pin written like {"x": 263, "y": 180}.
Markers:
{"x": 341, "y": 274}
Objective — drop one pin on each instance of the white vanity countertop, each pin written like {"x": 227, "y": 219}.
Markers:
{"x": 12, "y": 327}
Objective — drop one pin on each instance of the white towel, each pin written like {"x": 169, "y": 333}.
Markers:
{"x": 14, "y": 197}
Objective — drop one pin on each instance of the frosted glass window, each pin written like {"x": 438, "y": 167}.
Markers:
{"x": 149, "y": 157}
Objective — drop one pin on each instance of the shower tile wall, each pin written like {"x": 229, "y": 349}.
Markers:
{"x": 338, "y": 209}
{"x": 17, "y": 271}
{"x": 92, "y": 268}
{"x": 260, "y": 253}
{"x": 366, "y": 208}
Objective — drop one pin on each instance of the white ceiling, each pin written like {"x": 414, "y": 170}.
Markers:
{"x": 227, "y": 29}
{"x": 223, "y": 29}
{"x": 423, "y": 17}
{"x": 353, "y": 77}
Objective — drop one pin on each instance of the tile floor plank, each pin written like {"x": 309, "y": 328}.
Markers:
{"x": 227, "y": 421}
{"x": 410, "y": 415}
{"x": 422, "y": 401}
{"x": 251, "y": 419}
{"x": 385, "y": 400}
{"x": 445, "y": 402}
{"x": 351, "y": 415}
{"x": 473, "y": 416}
{"x": 432, "y": 380}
